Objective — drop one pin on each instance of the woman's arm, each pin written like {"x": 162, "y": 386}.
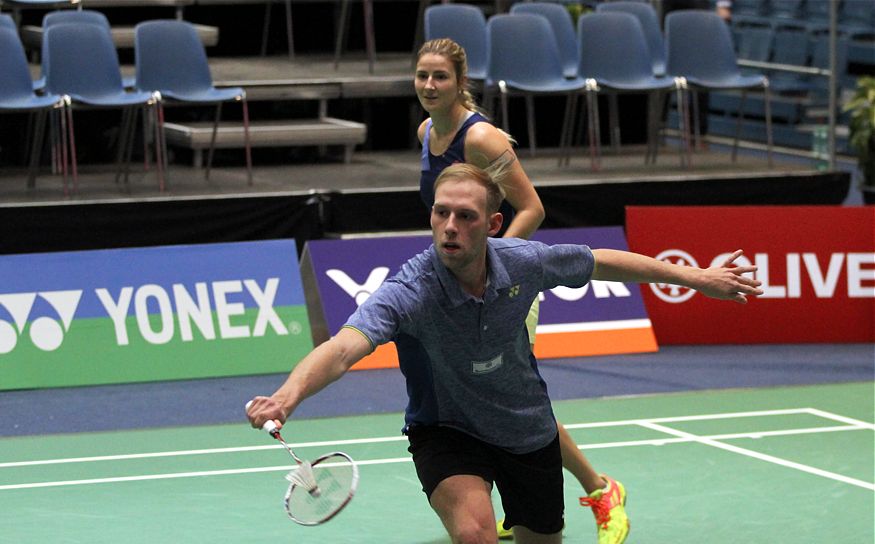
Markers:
{"x": 484, "y": 144}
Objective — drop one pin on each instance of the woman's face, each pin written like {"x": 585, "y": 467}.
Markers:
{"x": 435, "y": 82}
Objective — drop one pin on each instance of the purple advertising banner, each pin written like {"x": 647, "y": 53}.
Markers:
{"x": 599, "y": 318}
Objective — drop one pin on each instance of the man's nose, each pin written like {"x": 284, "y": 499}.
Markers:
{"x": 451, "y": 223}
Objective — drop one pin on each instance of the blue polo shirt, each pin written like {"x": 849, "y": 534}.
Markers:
{"x": 467, "y": 360}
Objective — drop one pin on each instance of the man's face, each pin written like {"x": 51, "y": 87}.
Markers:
{"x": 460, "y": 223}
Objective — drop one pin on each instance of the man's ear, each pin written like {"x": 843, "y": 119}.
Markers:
{"x": 495, "y": 222}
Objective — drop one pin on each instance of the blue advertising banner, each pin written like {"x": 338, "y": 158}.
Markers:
{"x": 599, "y": 318}
{"x": 146, "y": 314}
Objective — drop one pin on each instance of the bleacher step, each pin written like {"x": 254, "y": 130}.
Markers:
{"x": 322, "y": 131}
{"x": 122, "y": 36}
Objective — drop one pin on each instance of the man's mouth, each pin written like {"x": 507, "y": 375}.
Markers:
{"x": 451, "y": 246}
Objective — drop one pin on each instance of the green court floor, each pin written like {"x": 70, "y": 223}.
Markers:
{"x": 787, "y": 465}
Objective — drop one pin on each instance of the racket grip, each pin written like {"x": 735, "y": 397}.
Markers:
{"x": 270, "y": 426}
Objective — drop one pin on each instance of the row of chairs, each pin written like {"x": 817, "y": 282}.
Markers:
{"x": 80, "y": 69}
{"x": 854, "y": 16}
{"x": 536, "y": 49}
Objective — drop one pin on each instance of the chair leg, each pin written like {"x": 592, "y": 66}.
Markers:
{"x": 595, "y": 137}
{"x": 160, "y": 147}
{"x": 147, "y": 156}
{"x": 132, "y": 130}
{"x": 504, "y": 121}
{"x": 36, "y": 144}
{"x": 768, "y": 99}
{"x": 70, "y": 142}
{"x": 738, "y": 120}
{"x": 289, "y": 37}
{"x": 248, "y": 147}
{"x": 265, "y": 27}
{"x": 530, "y": 122}
{"x": 683, "y": 99}
{"x": 568, "y": 126}
{"x": 613, "y": 122}
{"x": 340, "y": 28}
{"x": 122, "y": 143}
{"x": 650, "y": 154}
{"x": 370, "y": 42}
{"x": 566, "y": 123}
{"x": 213, "y": 140}
{"x": 696, "y": 131}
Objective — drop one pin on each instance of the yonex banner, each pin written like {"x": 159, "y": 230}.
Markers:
{"x": 817, "y": 265}
{"x": 599, "y": 318}
{"x": 131, "y": 315}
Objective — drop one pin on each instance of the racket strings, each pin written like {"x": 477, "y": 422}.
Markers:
{"x": 335, "y": 477}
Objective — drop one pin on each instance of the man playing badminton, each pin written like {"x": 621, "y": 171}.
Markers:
{"x": 478, "y": 413}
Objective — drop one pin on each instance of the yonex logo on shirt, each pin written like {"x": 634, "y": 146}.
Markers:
{"x": 514, "y": 291}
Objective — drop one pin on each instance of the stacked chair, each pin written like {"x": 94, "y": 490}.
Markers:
{"x": 81, "y": 62}
{"x": 171, "y": 60}
{"x": 17, "y": 95}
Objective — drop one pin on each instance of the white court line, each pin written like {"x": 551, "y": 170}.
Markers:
{"x": 843, "y": 419}
{"x": 651, "y": 442}
{"x": 284, "y": 468}
{"x": 703, "y": 417}
{"x": 761, "y": 456}
{"x": 181, "y": 453}
{"x": 375, "y": 440}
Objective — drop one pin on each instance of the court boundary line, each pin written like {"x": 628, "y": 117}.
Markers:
{"x": 761, "y": 456}
{"x": 652, "y": 424}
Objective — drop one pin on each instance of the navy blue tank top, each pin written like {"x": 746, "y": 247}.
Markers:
{"x": 433, "y": 165}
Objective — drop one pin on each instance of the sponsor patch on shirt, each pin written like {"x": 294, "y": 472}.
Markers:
{"x": 485, "y": 367}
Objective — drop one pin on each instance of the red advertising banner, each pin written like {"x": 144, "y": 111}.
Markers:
{"x": 817, "y": 265}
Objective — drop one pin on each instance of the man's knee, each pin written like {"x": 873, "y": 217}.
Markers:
{"x": 474, "y": 531}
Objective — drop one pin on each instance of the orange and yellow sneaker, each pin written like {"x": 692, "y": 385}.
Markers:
{"x": 608, "y": 506}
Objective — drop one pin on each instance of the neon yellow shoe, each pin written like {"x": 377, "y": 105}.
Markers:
{"x": 608, "y": 506}
{"x": 503, "y": 534}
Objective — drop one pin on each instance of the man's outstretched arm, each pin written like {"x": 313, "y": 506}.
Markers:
{"x": 325, "y": 364}
{"x": 725, "y": 282}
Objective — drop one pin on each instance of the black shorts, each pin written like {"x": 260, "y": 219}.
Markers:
{"x": 530, "y": 484}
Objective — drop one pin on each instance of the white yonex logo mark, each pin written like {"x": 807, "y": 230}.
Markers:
{"x": 45, "y": 332}
{"x": 359, "y": 292}
{"x": 674, "y": 294}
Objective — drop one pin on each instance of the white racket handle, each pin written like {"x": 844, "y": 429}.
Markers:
{"x": 270, "y": 426}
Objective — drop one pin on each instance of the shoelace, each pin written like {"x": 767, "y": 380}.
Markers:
{"x": 600, "y": 507}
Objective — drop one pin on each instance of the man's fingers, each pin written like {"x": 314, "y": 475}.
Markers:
{"x": 736, "y": 254}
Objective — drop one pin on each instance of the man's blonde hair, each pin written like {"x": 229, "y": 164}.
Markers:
{"x": 490, "y": 178}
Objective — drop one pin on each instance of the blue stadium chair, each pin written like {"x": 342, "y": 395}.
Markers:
{"x": 700, "y": 50}
{"x": 792, "y": 48}
{"x": 524, "y": 59}
{"x": 614, "y": 52}
{"x": 563, "y": 30}
{"x": 649, "y": 22}
{"x": 17, "y": 95}
{"x": 84, "y": 66}
{"x": 786, "y": 9}
{"x": 465, "y": 25}
{"x": 6, "y": 21}
{"x": 170, "y": 59}
{"x": 755, "y": 43}
{"x": 858, "y": 16}
{"x": 82, "y": 16}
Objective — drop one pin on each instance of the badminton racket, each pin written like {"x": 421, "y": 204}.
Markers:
{"x": 318, "y": 490}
